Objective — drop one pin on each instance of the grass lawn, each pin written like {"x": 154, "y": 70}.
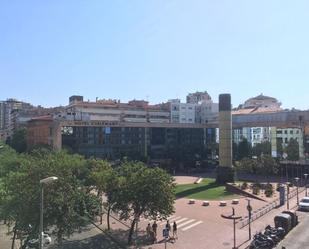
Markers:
{"x": 208, "y": 189}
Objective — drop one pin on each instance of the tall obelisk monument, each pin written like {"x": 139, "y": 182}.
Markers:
{"x": 225, "y": 172}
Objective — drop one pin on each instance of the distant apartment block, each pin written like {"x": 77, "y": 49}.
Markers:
{"x": 15, "y": 114}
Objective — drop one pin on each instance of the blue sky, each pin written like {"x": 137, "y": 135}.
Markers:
{"x": 154, "y": 49}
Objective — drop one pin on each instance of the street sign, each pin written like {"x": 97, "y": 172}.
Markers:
{"x": 249, "y": 208}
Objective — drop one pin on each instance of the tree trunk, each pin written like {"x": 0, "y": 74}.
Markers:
{"x": 101, "y": 205}
{"x": 59, "y": 237}
{"x": 101, "y": 210}
{"x": 14, "y": 236}
{"x": 131, "y": 231}
{"x": 108, "y": 216}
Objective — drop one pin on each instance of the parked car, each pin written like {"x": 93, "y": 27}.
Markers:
{"x": 304, "y": 204}
{"x": 34, "y": 243}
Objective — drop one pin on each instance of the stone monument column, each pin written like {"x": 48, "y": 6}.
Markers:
{"x": 225, "y": 172}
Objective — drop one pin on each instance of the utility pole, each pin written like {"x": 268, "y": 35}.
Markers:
{"x": 234, "y": 218}
{"x": 249, "y": 208}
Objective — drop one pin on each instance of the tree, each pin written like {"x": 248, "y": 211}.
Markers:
{"x": 235, "y": 151}
{"x": 144, "y": 191}
{"x": 267, "y": 165}
{"x": 279, "y": 148}
{"x": 292, "y": 150}
{"x": 263, "y": 148}
{"x": 244, "y": 149}
{"x": 18, "y": 141}
{"x": 247, "y": 165}
{"x": 106, "y": 181}
{"x": 67, "y": 204}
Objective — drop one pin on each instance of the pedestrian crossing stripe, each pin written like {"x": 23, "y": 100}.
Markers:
{"x": 170, "y": 220}
{"x": 185, "y": 223}
{"x": 181, "y": 220}
{"x": 158, "y": 221}
{"x": 193, "y": 225}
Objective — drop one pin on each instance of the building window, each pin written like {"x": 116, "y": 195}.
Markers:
{"x": 291, "y": 131}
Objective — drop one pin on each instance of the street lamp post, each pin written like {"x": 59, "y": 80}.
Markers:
{"x": 249, "y": 208}
{"x": 234, "y": 218}
{"x": 296, "y": 180}
{"x": 306, "y": 175}
{"x": 42, "y": 182}
{"x": 287, "y": 195}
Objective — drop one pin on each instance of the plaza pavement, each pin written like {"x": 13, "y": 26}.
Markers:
{"x": 201, "y": 227}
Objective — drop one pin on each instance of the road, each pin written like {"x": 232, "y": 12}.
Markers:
{"x": 298, "y": 238}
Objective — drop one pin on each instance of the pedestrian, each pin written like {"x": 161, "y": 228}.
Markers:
{"x": 175, "y": 236}
{"x": 154, "y": 231}
{"x": 168, "y": 228}
{"x": 154, "y": 228}
{"x": 168, "y": 225}
{"x": 148, "y": 230}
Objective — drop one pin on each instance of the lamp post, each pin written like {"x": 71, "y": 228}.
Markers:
{"x": 306, "y": 175}
{"x": 296, "y": 180}
{"x": 249, "y": 208}
{"x": 42, "y": 182}
{"x": 287, "y": 195}
{"x": 234, "y": 218}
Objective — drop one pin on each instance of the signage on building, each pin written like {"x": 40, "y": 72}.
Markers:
{"x": 92, "y": 123}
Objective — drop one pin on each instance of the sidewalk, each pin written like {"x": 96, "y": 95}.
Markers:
{"x": 259, "y": 224}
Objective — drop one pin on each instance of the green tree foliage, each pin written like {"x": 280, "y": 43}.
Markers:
{"x": 267, "y": 165}
{"x": 242, "y": 150}
{"x": 67, "y": 202}
{"x": 106, "y": 181}
{"x": 18, "y": 141}
{"x": 279, "y": 148}
{"x": 263, "y": 148}
{"x": 292, "y": 150}
{"x": 247, "y": 165}
{"x": 264, "y": 165}
{"x": 144, "y": 191}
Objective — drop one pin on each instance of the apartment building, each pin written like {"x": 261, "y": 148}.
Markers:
{"x": 137, "y": 111}
{"x": 183, "y": 113}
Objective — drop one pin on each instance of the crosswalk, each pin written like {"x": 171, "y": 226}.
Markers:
{"x": 184, "y": 223}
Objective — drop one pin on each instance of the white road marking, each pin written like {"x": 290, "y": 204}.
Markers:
{"x": 193, "y": 225}
{"x": 181, "y": 220}
{"x": 170, "y": 220}
{"x": 185, "y": 223}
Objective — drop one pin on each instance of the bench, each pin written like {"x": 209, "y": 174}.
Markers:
{"x": 205, "y": 203}
{"x": 222, "y": 203}
{"x": 191, "y": 201}
{"x": 235, "y": 201}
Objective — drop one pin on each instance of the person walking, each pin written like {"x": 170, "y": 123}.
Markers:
{"x": 154, "y": 227}
{"x": 148, "y": 230}
{"x": 154, "y": 230}
{"x": 175, "y": 236}
{"x": 168, "y": 228}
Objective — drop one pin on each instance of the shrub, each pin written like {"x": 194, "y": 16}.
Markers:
{"x": 256, "y": 189}
{"x": 269, "y": 190}
{"x": 244, "y": 186}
